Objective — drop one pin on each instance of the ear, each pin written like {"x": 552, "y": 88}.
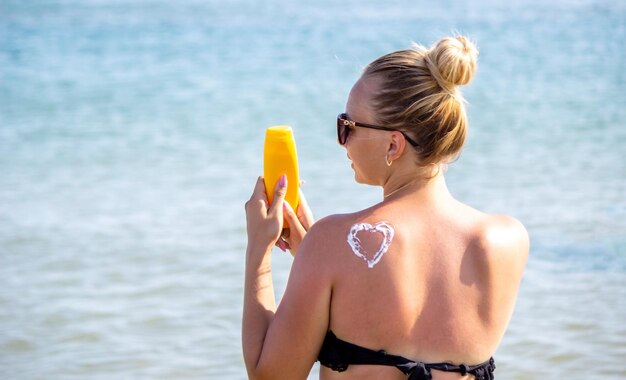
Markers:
{"x": 397, "y": 144}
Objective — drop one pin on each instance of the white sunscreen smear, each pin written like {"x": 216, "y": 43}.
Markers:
{"x": 384, "y": 228}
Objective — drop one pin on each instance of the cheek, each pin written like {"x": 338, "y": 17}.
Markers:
{"x": 354, "y": 152}
{"x": 362, "y": 151}
{"x": 364, "y": 163}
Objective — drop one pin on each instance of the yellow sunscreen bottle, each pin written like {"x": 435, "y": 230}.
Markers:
{"x": 280, "y": 157}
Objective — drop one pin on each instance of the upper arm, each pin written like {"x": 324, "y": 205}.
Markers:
{"x": 299, "y": 326}
{"x": 505, "y": 244}
{"x": 507, "y": 241}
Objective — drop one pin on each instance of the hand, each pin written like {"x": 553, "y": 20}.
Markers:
{"x": 299, "y": 223}
{"x": 264, "y": 224}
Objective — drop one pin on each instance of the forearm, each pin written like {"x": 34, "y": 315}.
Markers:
{"x": 259, "y": 304}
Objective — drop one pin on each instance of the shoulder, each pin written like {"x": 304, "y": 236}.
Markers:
{"x": 503, "y": 238}
{"x": 318, "y": 253}
{"x": 326, "y": 237}
{"x": 503, "y": 231}
{"x": 327, "y": 230}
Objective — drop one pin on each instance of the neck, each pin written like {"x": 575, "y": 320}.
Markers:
{"x": 425, "y": 187}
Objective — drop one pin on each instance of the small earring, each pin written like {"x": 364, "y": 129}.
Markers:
{"x": 387, "y": 160}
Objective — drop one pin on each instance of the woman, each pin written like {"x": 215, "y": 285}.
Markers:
{"x": 427, "y": 279}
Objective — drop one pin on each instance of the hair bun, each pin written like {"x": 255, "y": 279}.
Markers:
{"x": 452, "y": 61}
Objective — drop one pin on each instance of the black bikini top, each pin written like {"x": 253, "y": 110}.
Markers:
{"x": 337, "y": 355}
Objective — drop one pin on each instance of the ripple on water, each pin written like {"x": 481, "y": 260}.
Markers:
{"x": 17, "y": 346}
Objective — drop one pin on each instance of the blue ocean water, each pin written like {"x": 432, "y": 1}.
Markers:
{"x": 131, "y": 134}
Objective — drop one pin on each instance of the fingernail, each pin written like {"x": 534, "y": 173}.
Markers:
{"x": 281, "y": 245}
{"x": 283, "y": 180}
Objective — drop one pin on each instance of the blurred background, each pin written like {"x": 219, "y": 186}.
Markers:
{"x": 131, "y": 134}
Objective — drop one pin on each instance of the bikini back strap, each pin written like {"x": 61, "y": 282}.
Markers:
{"x": 482, "y": 371}
{"x": 338, "y": 354}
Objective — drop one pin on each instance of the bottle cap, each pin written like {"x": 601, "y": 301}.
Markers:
{"x": 279, "y": 132}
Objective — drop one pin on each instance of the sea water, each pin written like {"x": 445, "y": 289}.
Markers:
{"x": 131, "y": 135}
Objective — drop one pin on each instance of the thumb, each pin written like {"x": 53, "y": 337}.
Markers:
{"x": 279, "y": 196}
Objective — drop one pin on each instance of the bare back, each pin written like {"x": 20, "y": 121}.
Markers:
{"x": 443, "y": 291}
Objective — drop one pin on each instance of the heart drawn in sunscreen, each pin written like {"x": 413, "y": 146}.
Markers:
{"x": 383, "y": 228}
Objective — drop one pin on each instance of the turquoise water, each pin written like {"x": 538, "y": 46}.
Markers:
{"x": 131, "y": 135}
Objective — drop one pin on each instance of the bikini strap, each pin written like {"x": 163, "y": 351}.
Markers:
{"x": 482, "y": 371}
{"x": 338, "y": 354}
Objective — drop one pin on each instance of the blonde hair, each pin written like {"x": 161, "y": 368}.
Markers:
{"x": 419, "y": 95}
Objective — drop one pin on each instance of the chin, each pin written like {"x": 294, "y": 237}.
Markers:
{"x": 359, "y": 179}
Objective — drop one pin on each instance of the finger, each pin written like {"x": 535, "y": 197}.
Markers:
{"x": 291, "y": 217}
{"x": 259, "y": 189}
{"x": 286, "y": 244}
{"x": 258, "y": 199}
{"x": 304, "y": 213}
{"x": 280, "y": 243}
{"x": 276, "y": 208}
{"x": 294, "y": 223}
{"x": 302, "y": 198}
{"x": 258, "y": 194}
{"x": 256, "y": 206}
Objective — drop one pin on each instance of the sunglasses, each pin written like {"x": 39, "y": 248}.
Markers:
{"x": 345, "y": 125}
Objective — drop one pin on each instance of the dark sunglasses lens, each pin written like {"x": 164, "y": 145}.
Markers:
{"x": 342, "y": 131}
